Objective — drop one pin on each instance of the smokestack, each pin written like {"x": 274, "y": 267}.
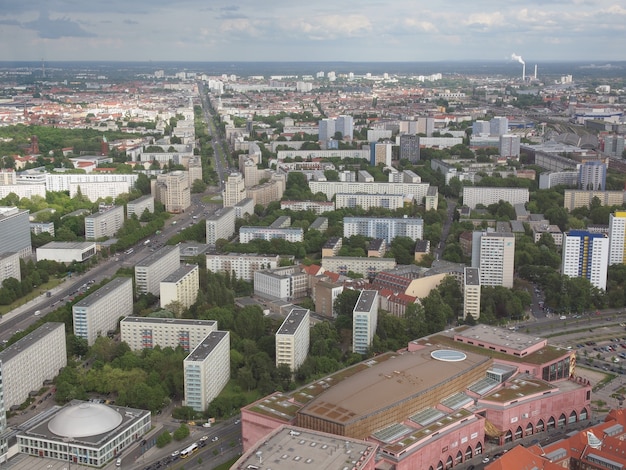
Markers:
{"x": 524, "y": 72}
{"x": 535, "y": 71}
{"x": 518, "y": 58}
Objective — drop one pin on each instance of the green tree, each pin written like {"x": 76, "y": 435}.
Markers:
{"x": 182, "y": 432}
{"x": 163, "y": 439}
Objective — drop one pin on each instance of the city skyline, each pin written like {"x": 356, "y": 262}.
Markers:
{"x": 190, "y": 30}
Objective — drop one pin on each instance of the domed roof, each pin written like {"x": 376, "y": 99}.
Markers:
{"x": 84, "y": 419}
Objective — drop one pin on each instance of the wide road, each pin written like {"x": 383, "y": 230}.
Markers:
{"x": 221, "y": 160}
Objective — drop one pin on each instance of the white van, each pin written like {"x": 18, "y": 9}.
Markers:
{"x": 118, "y": 462}
{"x": 37, "y": 313}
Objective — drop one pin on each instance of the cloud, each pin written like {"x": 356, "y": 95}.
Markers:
{"x": 47, "y": 28}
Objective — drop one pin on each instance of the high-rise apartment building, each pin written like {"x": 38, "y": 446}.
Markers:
{"x": 410, "y": 147}
{"x": 173, "y": 191}
{"x": 345, "y": 125}
{"x": 471, "y": 293}
{"x": 104, "y": 224}
{"x": 4, "y": 447}
{"x": 499, "y": 125}
{"x": 10, "y": 266}
{"x": 234, "y": 189}
{"x": 510, "y": 145}
{"x": 474, "y": 195}
{"x": 207, "y": 370}
{"x": 386, "y": 228}
{"x": 220, "y": 224}
{"x": 292, "y": 339}
{"x": 494, "y": 255}
{"x": 380, "y": 152}
{"x": 139, "y": 205}
{"x": 242, "y": 265}
{"x": 14, "y": 231}
{"x": 364, "y": 321}
{"x": 614, "y": 145}
{"x": 617, "y": 238}
{"x": 148, "y": 333}
{"x": 181, "y": 286}
{"x": 586, "y": 254}
{"x": 480, "y": 127}
{"x": 151, "y": 270}
{"x": 592, "y": 176}
{"x": 326, "y": 129}
{"x": 99, "y": 312}
{"x": 27, "y": 363}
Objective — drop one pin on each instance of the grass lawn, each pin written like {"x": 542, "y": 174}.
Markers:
{"x": 53, "y": 282}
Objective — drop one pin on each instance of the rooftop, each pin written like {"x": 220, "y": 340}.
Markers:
{"x": 69, "y": 245}
{"x": 156, "y": 256}
{"x": 472, "y": 276}
{"x": 293, "y": 321}
{"x": 366, "y": 301}
{"x": 103, "y": 291}
{"x": 519, "y": 388}
{"x": 207, "y": 346}
{"x": 180, "y": 273}
{"x": 169, "y": 321}
{"x": 27, "y": 341}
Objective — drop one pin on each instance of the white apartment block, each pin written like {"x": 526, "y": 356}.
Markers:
{"x": 37, "y": 228}
{"x": 586, "y": 254}
{"x": 66, "y": 252}
{"x": 474, "y": 195}
{"x": 553, "y": 230}
{"x": 364, "y": 321}
{"x": 10, "y": 266}
{"x": 471, "y": 293}
{"x": 244, "y": 207}
{"x": 95, "y": 191}
{"x": 552, "y": 179}
{"x": 318, "y": 207}
{"x": 386, "y": 228}
{"x": 148, "y": 333}
{"x": 27, "y": 363}
{"x": 139, "y": 205}
{"x": 104, "y": 224}
{"x": 99, "y": 312}
{"x": 243, "y": 265}
{"x": 368, "y": 201}
{"x": 366, "y": 267}
{"x": 574, "y": 198}
{"x": 23, "y": 190}
{"x": 617, "y": 238}
{"x": 234, "y": 189}
{"x": 173, "y": 190}
{"x": 292, "y": 339}
{"x": 493, "y": 254}
{"x": 315, "y": 154}
{"x": 7, "y": 177}
{"x": 151, "y": 270}
{"x": 181, "y": 286}
{"x": 64, "y": 182}
{"x": 15, "y": 231}
{"x": 207, "y": 370}
{"x": 220, "y": 224}
{"x": 4, "y": 446}
{"x": 290, "y": 234}
{"x": 287, "y": 283}
{"x": 331, "y": 188}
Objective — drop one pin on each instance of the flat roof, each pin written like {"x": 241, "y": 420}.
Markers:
{"x": 218, "y": 214}
{"x": 157, "y": 255}
{"x": 518, "y": 388}
{"x": 501, "y": 337}
{"x": 140, "y": 199}
{"x": 106, "y": 212}
{"x": 180, "y": 273}
{"x": 331, "y": 242}
{"x": 68, "y": 245}
{"x": 293, "y": 448}
{"x": 103, "y": 291}
{"x": 365, "y": 301}
{"x": 472, "y": 276}
{"x": 207, "y": 346}
{"x": 169, "y": 321}
{"x": 293, "y": 321}
{"x": 31, "y": 338}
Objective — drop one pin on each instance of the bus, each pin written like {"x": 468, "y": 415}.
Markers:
{"x": 188, "y": 451}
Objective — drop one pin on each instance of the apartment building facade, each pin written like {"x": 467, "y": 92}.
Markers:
{"x": 367, "y": 267}
{"x": 139, "y": 205}
{"x": 368, "y": 201}
{"x": 181, "y": 286}
{"x": 290, "y": 234}
{"x": 386, "y": 228}
{"x": 151, "y": 270}
{"x": 493, "y": 254}
{"x": 617, "y": 238}
{"x": 147, "y": 333}
{"x": 234, "y": 189}
{"x": 292, "y": 339}
{"x": 220, "y": 224}
{"x": 474, "y": 195}
{"x": 10, "y": 266}
{"x": 173, "y": 191}
{"x": 288, "y": 283}
{"x": 104, "y": 224}
{"x": 15, "y": 231}
{"x": 364, "y": 321}
{"x": 242, "y": 265}
{"x": 586, "y": 254}
{"x": 471, "y": 293}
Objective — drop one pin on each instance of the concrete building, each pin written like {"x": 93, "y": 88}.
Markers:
{"x": 181, "y": 286}
{"x": 15, "y": 231}
{"x": 147, "y": 333}
{"x": 220, "y": 224}
{"x": 614, "y": 145}
{"x": 617, "y": 238}
{"x": 234, "y": 189}
{"x": 369, "y": 201}
{"x": 151, "y": 270}
{"x": 555, "y": 178}
{"x": 319, "y": 207}
{"x": 431, "y": 200}
{"x": 474, "y": 195}
{"x": 4, "y": 445}
{"x": 99, "y": 312}
{"x": 66, "y": 252}
{"x": 332, "y": 246}
{"x": 288, "y": 283}
{"x": 290, "y": 234}
{"x": 207, "y": 370}
{"x": 364, "y": 321}
{"x": 493, "y": 254}
{"x": 320, "y": 224}
{"x": 72, "y": 181}
{"x": 83, "y": 433}
{"x": 243, "y": 208}
{"x": 574, "y": 199}
{"x": 345, "y": 125}
{"x": 553, "y": 230}
{"x": 99, "y": 190}
{"x": 326, "y": 129}
{"x": 471, "y": 293}
{"x": 366, "y": 267}
{"x": 499, "y": 125}
{"x": 592, "y": 176}
{"x": 331, "y": 188}
{"x": 324, "y": 294}
{"x": 586, "y": 254}
{"x": 410, "y": 147}
{"x": 242, "y": 265}
{"x": 30, "y": 361}
{"x": 268, "y": 192}
{"x": 292, "y": 339}
{"x": 510, "y": 146}
{"x": 386, "y": 228}
{"x": 173, "y": 191}
{"x": 37, "y": 228}
{"x": 10, "y": 266}
{"x": 381, "y": 152}
{"x": 139, "y": 205}
{"x": 104, "y": 224}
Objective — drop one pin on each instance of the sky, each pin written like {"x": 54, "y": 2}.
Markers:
{"x": 314, "y": 30}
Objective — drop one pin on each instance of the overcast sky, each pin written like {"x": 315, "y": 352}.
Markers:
{"x": 312, "y": 30}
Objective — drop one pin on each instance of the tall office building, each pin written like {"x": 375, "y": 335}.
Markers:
{"x": 173, "y": 190}
{"x": 326, "y": 129}
{"x": 592, "y": 176}
{"x": 234, "y": 189}
{"x": 15, "y": 231}
{"x": 151, "y": 270}
{"x": 207, "y": 370}
{"x": 99, "y": 312}
{"x": 292, "y": 339}
{"x": 181, "y": 286}
{"x": 345, "y": 125}
{"x": 617, "y": 238}
{"x": 586, "y": 254}
{"x": 220, "y": 224}
{"x": 364, "y": 321}
{"x": 494, "y": 255}
{"x": 410, "y": 147}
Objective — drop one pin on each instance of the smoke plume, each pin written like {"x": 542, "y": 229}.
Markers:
{"x": 514, "y": 56}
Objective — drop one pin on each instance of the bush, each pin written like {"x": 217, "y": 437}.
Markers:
{"x": 182, "y": 432}
{"x": 163, "y": 439}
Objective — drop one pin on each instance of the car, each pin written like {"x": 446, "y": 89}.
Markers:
{"x": 118, "y": 462}
{"x": 486, "y": 460}
{"x": 206, "y": 425}
{"x": 176, "y": 453}
{"x": 215, "y": 439}
{"x": 37, "y": 313}
{"x": 237, "y": 421}
{"x": 562, "y": 317}
{"x": 204, "y": 438}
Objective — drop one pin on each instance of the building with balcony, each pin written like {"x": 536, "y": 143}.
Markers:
{"x": 139, "y": 205}
{"x": 290, "y": 234}
{"x": 104, "y": 224}
{"x": 292, "y": 339}
{"x": 617, "y": 238}
{"x": 181, "y": 286}
{"x": 493, "y": 254}
{"x": 474, "y": 195}
{"x": 386, "y": 228}
{"x": 173, "y": 191}
{"x": 150, "y": 271}
{"x": 471, "y": 293}
{"x": 586, "y": 254}
{"x": 147, "y": 332}
{"x": 220, "y": 224}
{"x": 242, "y": 265}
